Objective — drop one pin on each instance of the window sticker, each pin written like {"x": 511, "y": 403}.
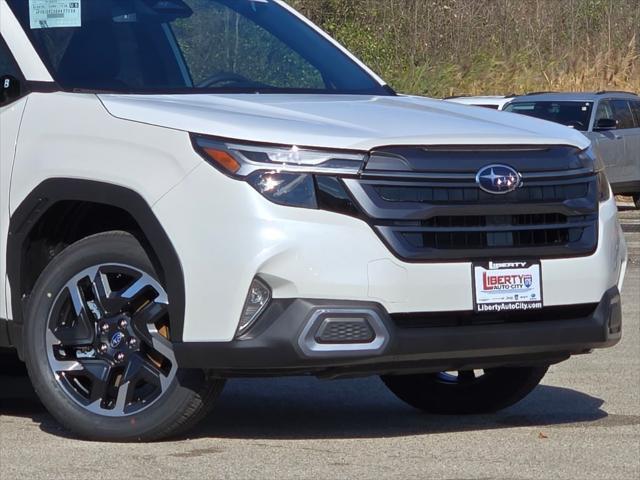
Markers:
{"x": 54, "y": 14}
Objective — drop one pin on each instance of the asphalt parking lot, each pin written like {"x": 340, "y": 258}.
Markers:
{"x": 583, "y": 422}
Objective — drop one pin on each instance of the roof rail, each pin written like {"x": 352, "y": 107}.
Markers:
{"x": 603, "y": 92}
{"x": 537, "y": 93}
{"x": 456, "y": 96}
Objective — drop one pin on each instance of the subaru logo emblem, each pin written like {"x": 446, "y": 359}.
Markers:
{"x": 498, "y": 179}
{"x": 116, "y": 339}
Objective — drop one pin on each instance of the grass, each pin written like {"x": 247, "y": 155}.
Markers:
{"x": 451, "y": 47}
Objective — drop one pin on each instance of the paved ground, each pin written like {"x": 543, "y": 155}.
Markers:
{"x": 583, "y": 422}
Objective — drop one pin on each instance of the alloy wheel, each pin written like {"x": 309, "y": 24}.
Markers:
{"x": 108, "y": 340}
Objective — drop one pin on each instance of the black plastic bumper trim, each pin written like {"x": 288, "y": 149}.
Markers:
{"x": 273, "y": 349}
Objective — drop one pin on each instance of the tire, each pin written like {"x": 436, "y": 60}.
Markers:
{"x": 466, "y": 393}
{"x": 97, "y": 347}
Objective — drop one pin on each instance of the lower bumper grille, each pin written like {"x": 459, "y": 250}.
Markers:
{"x": 336, "y": 331}
{"x": 495, "y": 231}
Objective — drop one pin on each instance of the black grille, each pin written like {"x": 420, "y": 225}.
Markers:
{"x": 333, "y": 331}
{"x": 495, "y": 231}
{"x": 435, "y": 214}
{"x": 449, "y": 195}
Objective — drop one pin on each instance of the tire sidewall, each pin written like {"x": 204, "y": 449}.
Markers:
{"x": 101, "y": 249}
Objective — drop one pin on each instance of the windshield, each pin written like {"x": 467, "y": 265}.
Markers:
{"x": 190, "y": 46}
{"x": 572, "y": 114}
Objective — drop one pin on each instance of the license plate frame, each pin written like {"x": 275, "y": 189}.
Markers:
{"x": 507, "y": 286}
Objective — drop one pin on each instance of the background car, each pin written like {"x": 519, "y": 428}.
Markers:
{"x": 610, "y": 119}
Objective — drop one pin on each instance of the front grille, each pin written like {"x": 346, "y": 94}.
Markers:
{"x": 428, "y": 213}
{"x": 449, "y": 195}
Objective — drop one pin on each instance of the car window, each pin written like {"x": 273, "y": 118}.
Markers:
{"x": 635, "y": 106}
{"x": 570, "y": 113}
{"x": 190, "y": 46}
{"x": 7, "y": 65}
{"x": 9, "y": 89}
{"x": 623, "y": 114}
{"x": 605, "y": 110}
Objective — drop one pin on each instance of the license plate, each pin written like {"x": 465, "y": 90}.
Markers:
{"x": 507, "y": 286}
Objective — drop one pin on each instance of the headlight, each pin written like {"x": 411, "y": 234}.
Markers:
{"x": 284, "y": 175}
{"x": 239, "y": 160}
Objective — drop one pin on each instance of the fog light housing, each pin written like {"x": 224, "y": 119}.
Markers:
{"x": 257, "y": 301}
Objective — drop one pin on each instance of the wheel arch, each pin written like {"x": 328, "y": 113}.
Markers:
{"x": 52, "y": 203}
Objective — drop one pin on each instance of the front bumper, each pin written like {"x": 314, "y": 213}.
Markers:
{"x": 225, "y": 240}
{"x": 279, "y": 343}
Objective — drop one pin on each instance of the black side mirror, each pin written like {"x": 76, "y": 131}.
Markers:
{"x": 605, "y": 124}
{"x": 10, "y": 89}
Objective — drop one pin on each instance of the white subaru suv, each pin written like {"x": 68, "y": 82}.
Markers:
{"x": 195, "y": 190}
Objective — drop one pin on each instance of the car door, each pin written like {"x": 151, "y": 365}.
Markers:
{"x": 609, "y": 144}
{"x": 11, "y": 107}
{"x": 629, "y": 129}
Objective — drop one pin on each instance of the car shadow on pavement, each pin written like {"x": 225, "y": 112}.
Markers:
{"x": 308, "y": 408}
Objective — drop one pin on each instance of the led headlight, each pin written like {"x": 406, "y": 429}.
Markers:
{"x": 239, "y": 160}
{"x": 284, "y": 175}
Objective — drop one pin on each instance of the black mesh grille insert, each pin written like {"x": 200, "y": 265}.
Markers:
{"x": 356, "y": 330}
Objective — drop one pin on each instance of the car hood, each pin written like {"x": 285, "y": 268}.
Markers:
{"x": 339, "y": 121}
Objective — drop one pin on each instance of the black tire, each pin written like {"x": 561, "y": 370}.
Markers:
{"x": 179, "y": 400}
{"x": 446, "y": 394}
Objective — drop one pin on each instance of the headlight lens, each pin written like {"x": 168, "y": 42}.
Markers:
{"x": 291, "y": 189}
{"x": 284, "y": 175}
{"x": 242, "y": 160}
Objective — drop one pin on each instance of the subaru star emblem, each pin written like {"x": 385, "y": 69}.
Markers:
{"x": 498, "y": 179}
{"x": 116, "y": 339}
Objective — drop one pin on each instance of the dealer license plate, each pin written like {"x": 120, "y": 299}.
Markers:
{"x": 507, "y": 286}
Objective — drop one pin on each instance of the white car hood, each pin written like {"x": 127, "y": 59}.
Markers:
{"x": 339, "y": 121}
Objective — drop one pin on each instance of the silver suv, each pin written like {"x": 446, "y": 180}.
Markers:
{"x": 610, "y": 119}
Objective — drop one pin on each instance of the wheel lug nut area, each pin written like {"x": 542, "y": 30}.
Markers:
{"x": 115, "y": 339}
